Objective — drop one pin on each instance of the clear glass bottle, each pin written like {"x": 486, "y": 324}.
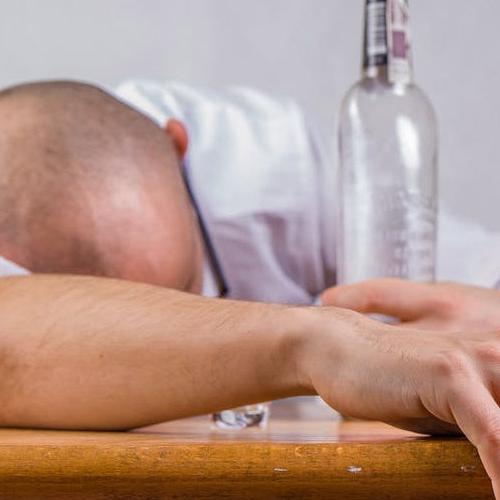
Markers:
{"x": 388, "y": 159}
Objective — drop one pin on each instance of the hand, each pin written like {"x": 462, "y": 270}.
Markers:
{"x": 441, "y": 307}
{"x": 420, "y": 381}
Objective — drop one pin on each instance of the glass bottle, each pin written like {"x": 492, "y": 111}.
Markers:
{"x": 388, "y": 159}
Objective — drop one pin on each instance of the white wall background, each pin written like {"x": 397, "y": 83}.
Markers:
{"x": 307, "y": 49}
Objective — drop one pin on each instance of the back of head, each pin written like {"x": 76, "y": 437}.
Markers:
{"x": 81, "y": 175}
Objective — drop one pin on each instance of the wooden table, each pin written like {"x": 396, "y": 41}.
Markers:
{"x": 293, "y": 458}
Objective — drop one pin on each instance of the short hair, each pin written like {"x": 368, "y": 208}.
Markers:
{"x": 61, "y": 144}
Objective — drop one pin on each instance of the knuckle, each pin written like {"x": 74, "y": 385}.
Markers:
{"x": 367, "y": 302}
{"x": 452, "y": 364}
{"x": 448, "y": 299}
{"x": 328, "y": 297}
{"x": 445, "y": 305}
{"x": 491, "y": 438}
{"x": 488, "y": 353}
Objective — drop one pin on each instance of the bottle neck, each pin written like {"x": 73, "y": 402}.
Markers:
{"x": 387, "y": 54}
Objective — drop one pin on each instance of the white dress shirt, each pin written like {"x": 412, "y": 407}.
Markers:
{"x": 266, "y": 191}
{"x": 262, "y": 185}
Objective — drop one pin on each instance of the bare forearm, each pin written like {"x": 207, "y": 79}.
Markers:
{"x": 89, "y": 353}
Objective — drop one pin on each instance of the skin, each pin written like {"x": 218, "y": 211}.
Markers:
{"x": 76, "y": 353}
{"x": 123, "y": 210}
{"x": 444, "y": 307}
{"x": 159, "y": 242}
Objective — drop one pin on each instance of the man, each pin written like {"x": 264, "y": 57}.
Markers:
{"x": 91, "y": 187}
{"x": 258, "y": 177}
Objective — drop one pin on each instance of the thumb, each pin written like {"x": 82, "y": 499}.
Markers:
{"x": 400, "y": 298}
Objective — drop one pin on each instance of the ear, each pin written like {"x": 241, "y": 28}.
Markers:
{"x": 178, "y": 133}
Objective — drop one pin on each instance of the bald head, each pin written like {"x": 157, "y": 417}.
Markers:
{"x": 89, "y": 185}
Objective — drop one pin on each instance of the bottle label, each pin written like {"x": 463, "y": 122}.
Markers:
{"x": 387, "y": 38}
{"x": 398, "y": 40}
{"x": 376, "y": 49}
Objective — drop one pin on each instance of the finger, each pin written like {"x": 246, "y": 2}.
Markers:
{"x": 478, "y": 415}
{"x": 404, "y": 299}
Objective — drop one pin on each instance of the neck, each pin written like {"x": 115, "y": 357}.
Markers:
{"x": 387, "y": 50}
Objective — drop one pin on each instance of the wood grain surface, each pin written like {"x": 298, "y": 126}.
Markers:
{"x": 293, "y": 458}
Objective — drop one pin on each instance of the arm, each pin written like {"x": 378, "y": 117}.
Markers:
{"x": 102, "y": 354}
